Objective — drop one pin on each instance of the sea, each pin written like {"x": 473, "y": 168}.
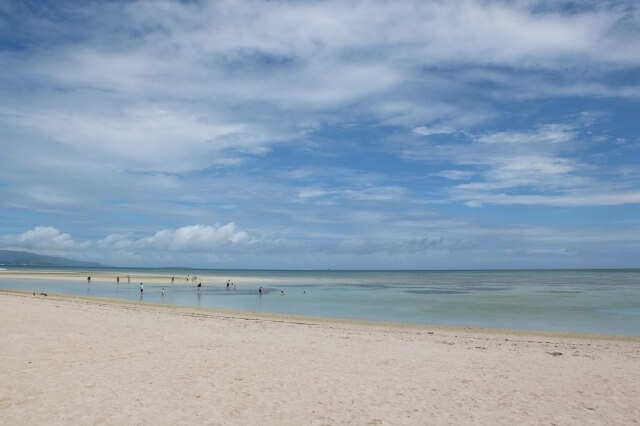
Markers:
{"x": 590, "y": 301}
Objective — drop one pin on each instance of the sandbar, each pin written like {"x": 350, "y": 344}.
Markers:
{"x": 135, "y": 276}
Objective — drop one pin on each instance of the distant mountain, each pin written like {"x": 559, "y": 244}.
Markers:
{"x": 22, "y": 258}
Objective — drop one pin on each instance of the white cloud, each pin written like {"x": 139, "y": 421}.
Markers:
{"x": 354, "y": 193}
{"x": 362, "y": 246}
{"x": 569, "y": 199}
{"x": 536, "y": 167}
{"x": 532, "y": 170}
{"x": 200, "y": 77}
{"x": 546, "y": 134}
{"x": 416, "y": 237}
{"x": 193, "y": 238}
{"x": 456, "y": 174}
{"x": 314, "y": 193}
{"x": 229, "y": 80}
{"x": 432, "y": 130}
{"x": 142, "y": 113}
{"x": 44, "y": 239}
{"x": 555, "y": 251}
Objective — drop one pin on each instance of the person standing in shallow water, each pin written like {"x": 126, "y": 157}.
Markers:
{"x": 89, "y": 280}
{"x": 141, "y": 288}
{"x": 118, "y": 279}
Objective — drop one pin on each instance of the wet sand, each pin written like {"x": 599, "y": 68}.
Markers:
{"x": 68, "y": 359}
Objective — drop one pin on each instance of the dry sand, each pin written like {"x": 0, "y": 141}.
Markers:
{"x": 66, "y": 359}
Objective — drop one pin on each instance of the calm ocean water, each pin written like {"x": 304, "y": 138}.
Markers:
{"x": 598, "y": 301}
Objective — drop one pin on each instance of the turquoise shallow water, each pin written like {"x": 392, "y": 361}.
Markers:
{"x": 596, "y": 301}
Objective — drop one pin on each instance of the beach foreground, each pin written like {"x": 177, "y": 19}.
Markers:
{"x": 68, "y": 359}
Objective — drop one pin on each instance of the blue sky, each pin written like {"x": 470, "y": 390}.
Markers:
{"x": 332, "y": 134}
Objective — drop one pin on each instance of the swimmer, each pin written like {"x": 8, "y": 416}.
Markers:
{"x": 281, "y": 292}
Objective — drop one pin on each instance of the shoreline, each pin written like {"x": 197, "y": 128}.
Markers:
{"x": 313, "y": 320}
{"x": 530, "y": 309}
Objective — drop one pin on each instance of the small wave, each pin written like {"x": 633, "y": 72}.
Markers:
{"x": 436, "y": 291}
{"x": 634, "y": 311}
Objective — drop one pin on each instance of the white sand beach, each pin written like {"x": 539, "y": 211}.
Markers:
{"x": 73, "y": 360}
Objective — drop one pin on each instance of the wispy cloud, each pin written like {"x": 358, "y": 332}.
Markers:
{"x": 537, "y": 167}
{"x": 456, "y": 174}
{"x": 566, "y": 200}
{"x": 309, "y": 127}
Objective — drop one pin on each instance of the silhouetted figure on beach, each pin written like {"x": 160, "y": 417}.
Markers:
{"x": 228, "y": 283}
{"x": 141, "y": 288}
{"x": 118, "y": 279}
{"x": 173, "y": 279}
{"x": 128, "y": 279}
{"x": 281, "y": 292}
{"x": 199, "y": 286}
{"x": 260, "y": 291}
{"x": 89, "y": 280}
